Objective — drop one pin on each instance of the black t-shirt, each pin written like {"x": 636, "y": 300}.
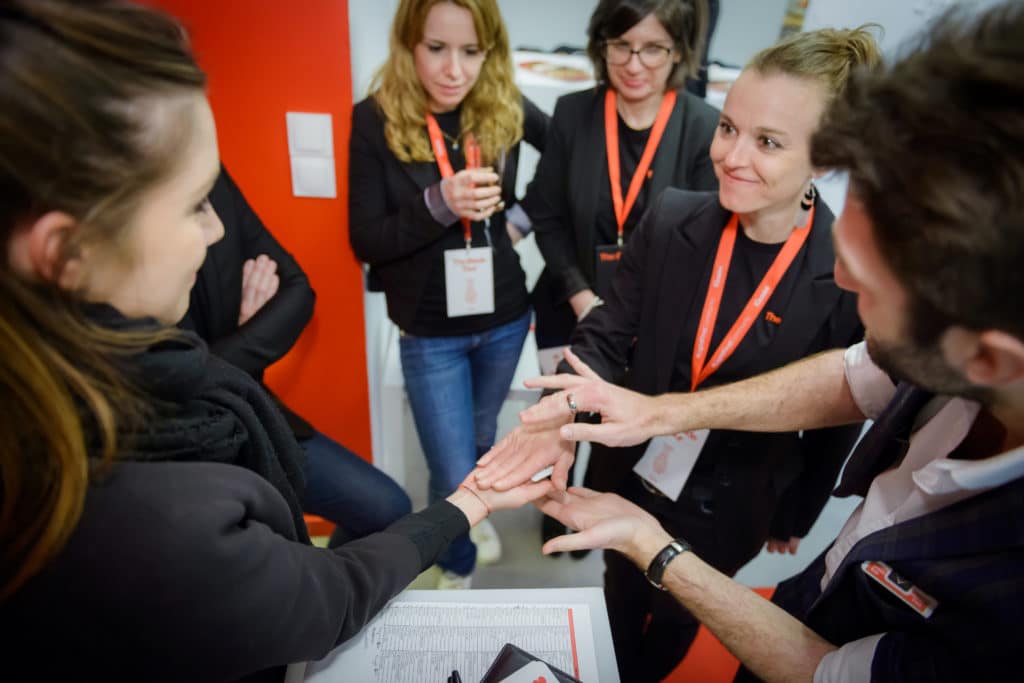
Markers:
{"x": 631, "y": 148}
{"x": 510, "y": 296}
{"x": 750, "y": 261}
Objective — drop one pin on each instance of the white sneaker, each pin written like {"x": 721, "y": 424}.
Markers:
{"x": 450, "y": 581}
{"x": 488, "y": 545}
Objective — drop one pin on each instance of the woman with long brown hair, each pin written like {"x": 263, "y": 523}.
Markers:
{"x": 149, "y": 524}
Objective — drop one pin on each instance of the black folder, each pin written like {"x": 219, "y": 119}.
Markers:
{"x": 511, "y": 659}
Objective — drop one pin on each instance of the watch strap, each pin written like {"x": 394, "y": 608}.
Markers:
{"x": 656, "y": 569}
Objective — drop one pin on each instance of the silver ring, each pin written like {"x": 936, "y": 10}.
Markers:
{"x": 572, "y": 403}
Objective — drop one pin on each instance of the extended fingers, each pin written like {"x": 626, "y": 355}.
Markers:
{"x": 581, "y": 540}
{"x": 555, "y": 406}
{"x": 581, "y": 368}
{"x": 563, "y": 381}
{"x": 560, "y": 475}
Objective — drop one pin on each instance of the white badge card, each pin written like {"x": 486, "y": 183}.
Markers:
{"x": 549, "y": 358}
{"x": 469, "y": 281}
{"x": 668, "y": 461}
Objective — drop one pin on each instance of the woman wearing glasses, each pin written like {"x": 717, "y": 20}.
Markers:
{"x": 433, "y": 229}
{"x": 639, "y": 128}
{"x": 612, "y": 149}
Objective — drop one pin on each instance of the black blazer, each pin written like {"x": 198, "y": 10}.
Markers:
{"x": 636, "y": 338}
{"x": 560, "y": 198}
{"x": 968, "y": 556}
{"x": 390, "y": 227}
{"x": 217, "y": 295}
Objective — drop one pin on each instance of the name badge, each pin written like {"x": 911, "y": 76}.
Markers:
{"x": 606, "y": 262}
{"x": 915, "y": 598}
{"x": 668, "y": 461}
{"x": 469, "y": 281}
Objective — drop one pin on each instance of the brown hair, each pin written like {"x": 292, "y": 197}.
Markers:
{"x": 935, "y": 151}
{"x": 827, "y": 56}
{"x": 493, "y": 109}
{"x": 685, "y": 20}
{"x": 78, "y": 86}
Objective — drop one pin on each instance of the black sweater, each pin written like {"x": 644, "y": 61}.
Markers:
{"x": 193, "y": 572}
{"x": 391, "y": 228}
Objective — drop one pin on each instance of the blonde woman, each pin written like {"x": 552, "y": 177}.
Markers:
{"x": 434, "y": 231}
{"x": 714, "y": 287}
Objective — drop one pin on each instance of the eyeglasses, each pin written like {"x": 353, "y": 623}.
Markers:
{"x": 619, "y": 52}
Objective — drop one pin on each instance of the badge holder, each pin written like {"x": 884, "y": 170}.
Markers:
{"x": 469, "y": 272}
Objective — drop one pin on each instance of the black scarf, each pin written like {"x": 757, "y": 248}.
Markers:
{"x": 205, "y": 409}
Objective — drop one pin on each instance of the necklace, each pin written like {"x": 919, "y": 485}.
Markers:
{"x": 449, "y": 138}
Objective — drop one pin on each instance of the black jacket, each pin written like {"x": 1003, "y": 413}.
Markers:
{"x": 560, "y": 198}
{"x": 969, "y": 557}
{"x": 193, "y": 572}
{"x": 390, "y": 227}
{"x": 754, "y": 479}
{"x": 217, "y": 295}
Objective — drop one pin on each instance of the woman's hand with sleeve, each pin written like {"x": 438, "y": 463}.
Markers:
{"x": 472, "y": 193}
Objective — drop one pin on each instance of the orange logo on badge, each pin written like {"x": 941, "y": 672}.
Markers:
{"x": 772, "y": 318}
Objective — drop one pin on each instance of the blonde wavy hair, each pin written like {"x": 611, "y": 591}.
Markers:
{"x": 492, "y": 110}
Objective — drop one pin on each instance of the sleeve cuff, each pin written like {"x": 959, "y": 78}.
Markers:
{"x": 437, "y": 206}
{"x": 871, "y": 387}
{"x": 850, "y": 663}
{"x": 574, "y": 282}
{"x": 432, "y": 529}
{"x": 519, "y": 219}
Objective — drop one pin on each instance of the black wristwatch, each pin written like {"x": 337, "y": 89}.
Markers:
{"x": 656, "y": 569}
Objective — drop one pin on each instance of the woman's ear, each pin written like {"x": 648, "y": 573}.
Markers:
{"x": 36, "y": 248}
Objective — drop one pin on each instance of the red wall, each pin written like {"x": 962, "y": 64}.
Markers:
{"x": 263, "y": 58}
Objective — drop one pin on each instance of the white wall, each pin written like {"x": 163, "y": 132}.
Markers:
{"x": 744, "y": 27}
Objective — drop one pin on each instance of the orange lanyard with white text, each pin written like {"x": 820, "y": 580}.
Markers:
{"x": 701, "y": 370}
{"x": 611, "y": 137}
{"x": 444, "y": 164}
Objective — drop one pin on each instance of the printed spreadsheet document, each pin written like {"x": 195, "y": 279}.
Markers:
{"x": 424, "y": 641}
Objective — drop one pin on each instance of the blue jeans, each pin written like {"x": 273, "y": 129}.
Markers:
{"x": 345, "y": 489}
{"x": 456, "y": 386}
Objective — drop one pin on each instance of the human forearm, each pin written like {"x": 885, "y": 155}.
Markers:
{"x": 807, "y": 394}
{"x": 765, "y": 638}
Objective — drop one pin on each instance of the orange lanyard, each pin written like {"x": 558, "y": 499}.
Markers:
{"x": 444, "y": 164}
{"x": 700, "y": 370}
{"x": 611, "y": 137}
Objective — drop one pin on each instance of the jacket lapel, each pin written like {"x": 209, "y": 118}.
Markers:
{"x": 590, "y": 170}
{"x": 983, "y": 525}
{"x": 666, "y": 160}
{"x": 690, "y": 242}
{"x": 815, "y": 294}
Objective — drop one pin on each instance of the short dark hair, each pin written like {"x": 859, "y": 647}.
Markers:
{"x": 685, "y": 20}
{"x": 935, "y": 150}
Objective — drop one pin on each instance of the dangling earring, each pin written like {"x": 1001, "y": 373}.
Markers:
{"x": 808, "y": 201}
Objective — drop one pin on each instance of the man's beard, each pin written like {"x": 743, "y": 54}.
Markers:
{"x": 925, "y": 367}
